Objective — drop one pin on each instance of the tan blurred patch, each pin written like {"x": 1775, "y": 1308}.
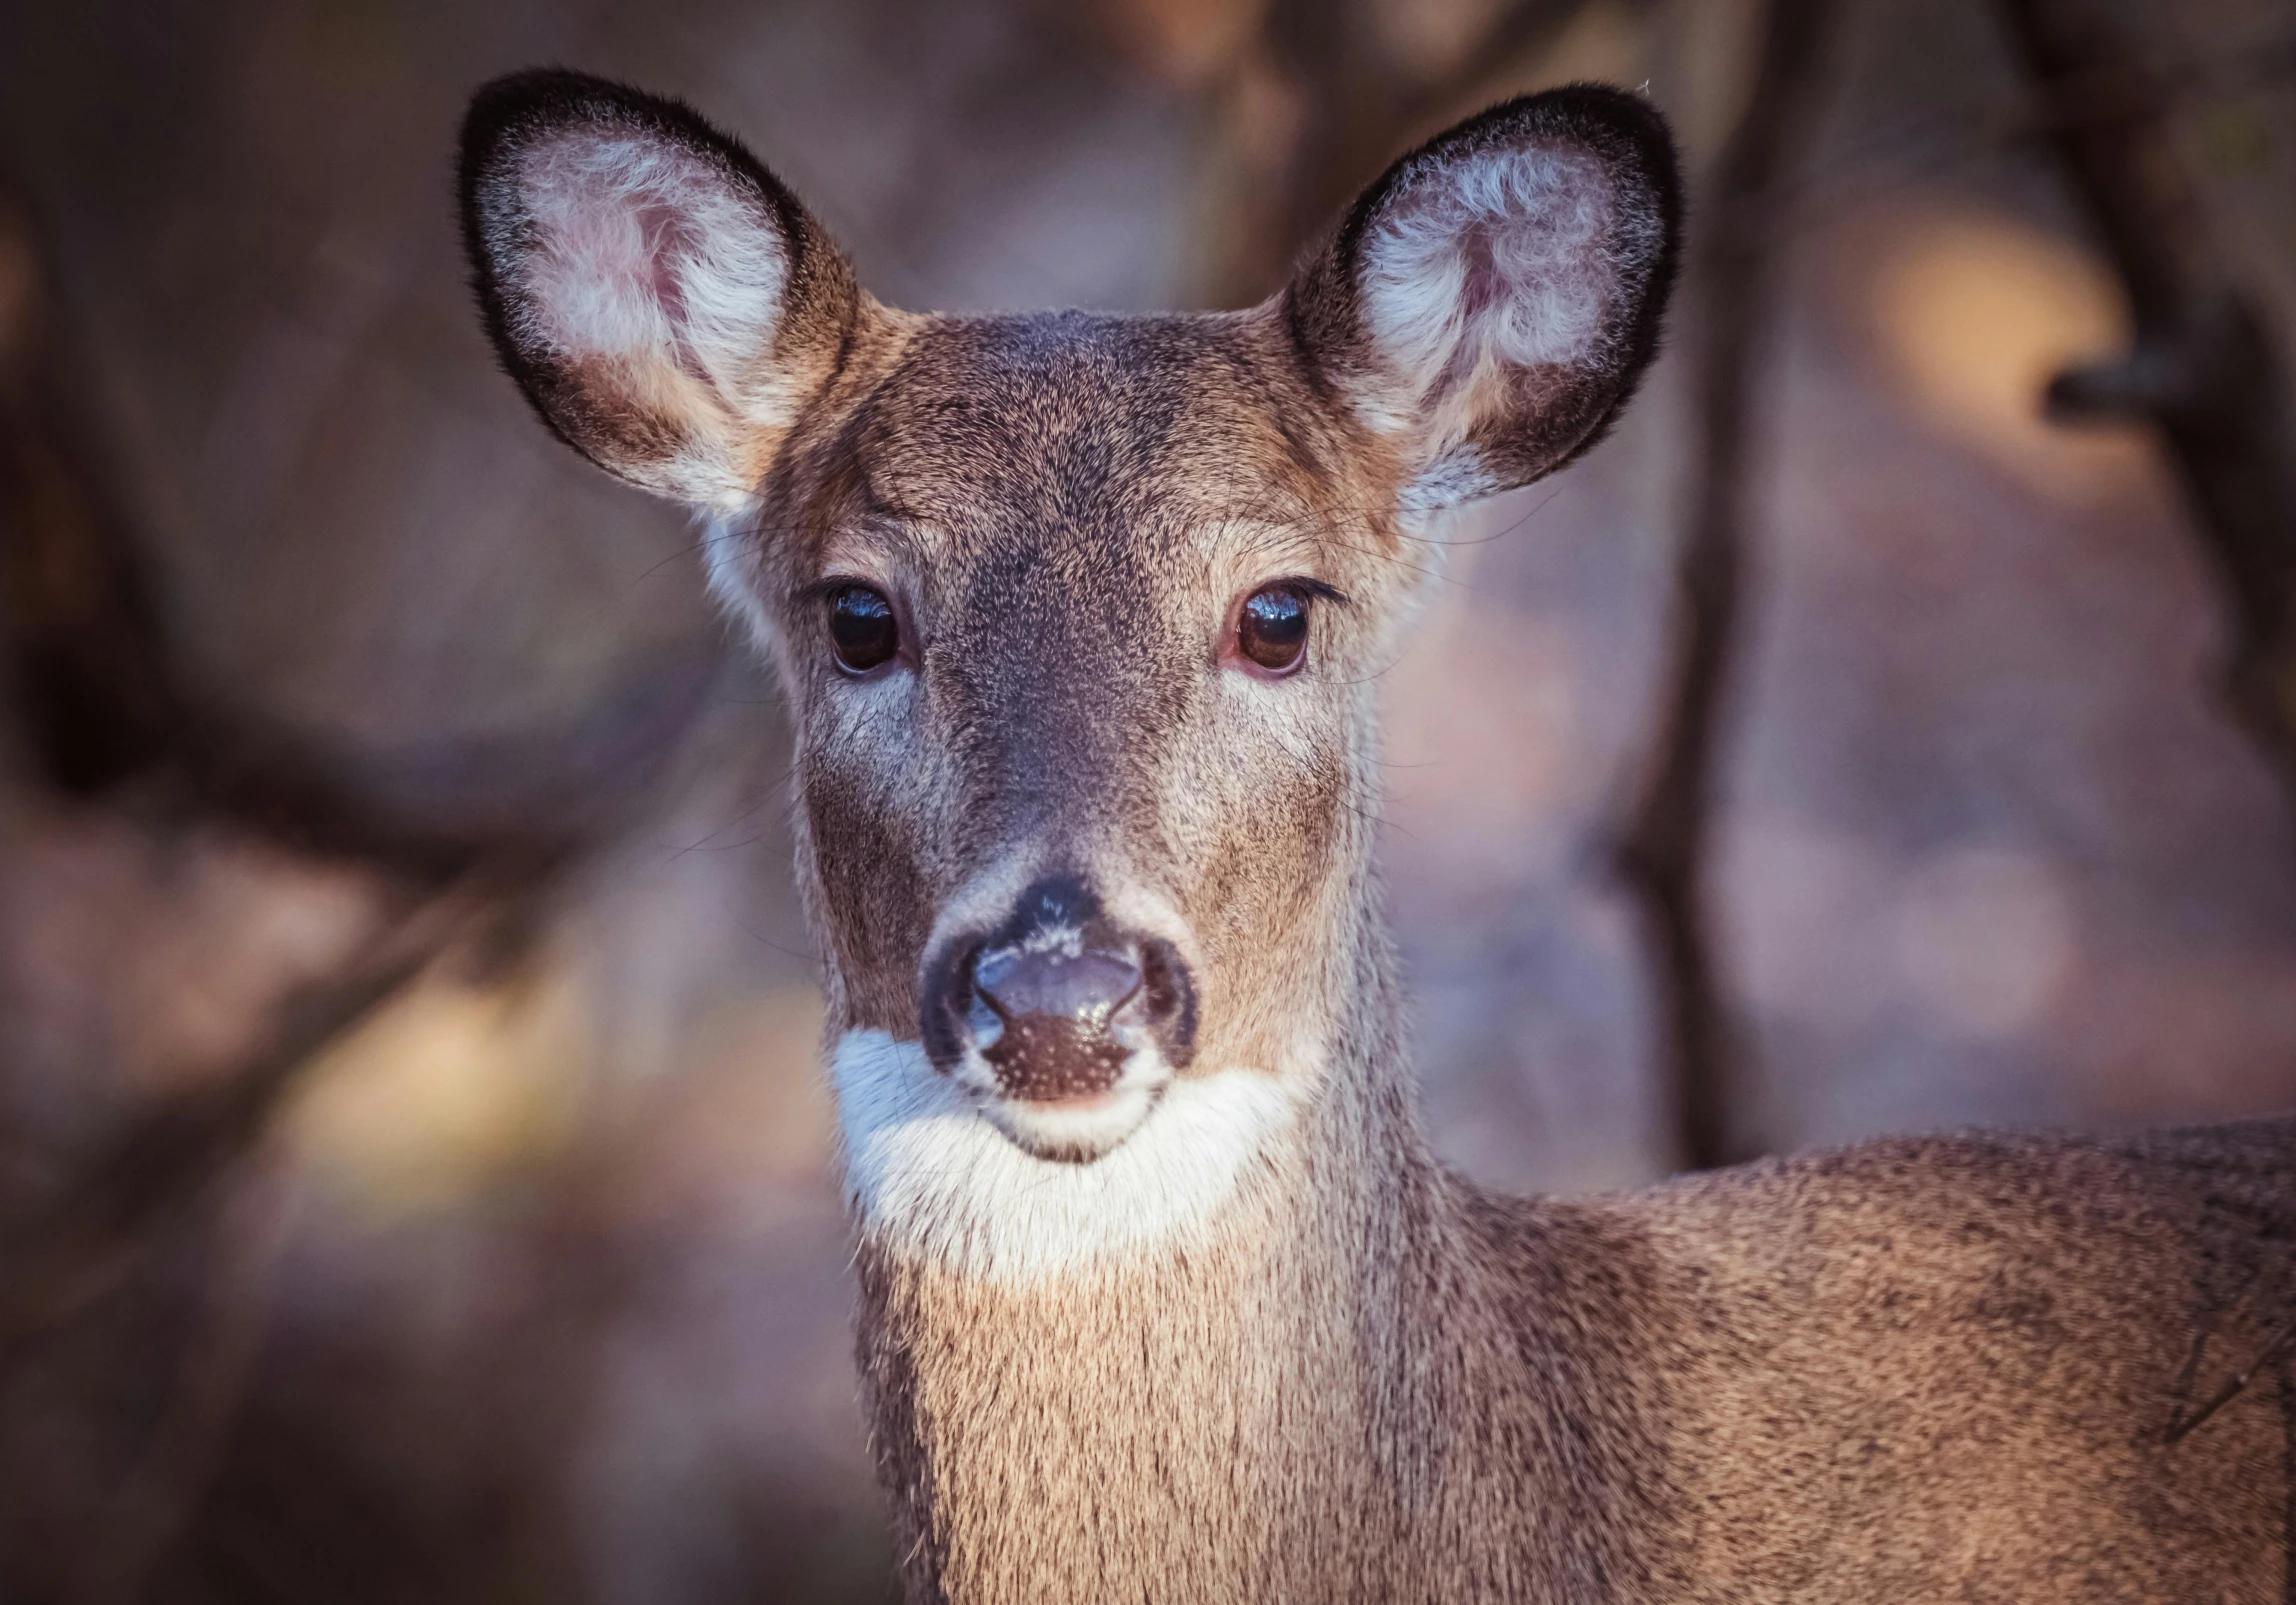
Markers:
{"x": 751, "y": 1119}
{"x": 1704, "y": 78}
{"x": 449, "y": 1089}
{"x": 2167, "y": 1036}
{"x": 156, "y": 963}
{"x": 1183, "y": 43}
{"x": 257, "y": 922}
{"x": 1975, "y": 313}
{"x": 1428, "y": 38}
{"x": 1798, "y": 901}
{"x": 1482, "y": 722}
{"x": 1604, "y": 43}
{"x": 1831, "y": 930}
{"x": 1986, "y": 938}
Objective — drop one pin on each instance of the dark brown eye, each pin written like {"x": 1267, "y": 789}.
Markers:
{"x": 862, "y": 629}
{"x": 1272, "y": 629}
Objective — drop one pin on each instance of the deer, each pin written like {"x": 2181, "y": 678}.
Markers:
{"x": 1162, "y": 1292}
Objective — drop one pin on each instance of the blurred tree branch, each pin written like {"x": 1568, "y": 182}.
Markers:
{"x": 109, "y": 702}
{"x": 2203, "y": 369}
{"x": 187, "y": 1444}
{"x": 1732, "y": 289}
{"x": 1320, "y": 102}
{"x": 113, "y": 714}
{"x": 91, "y": 1231}
{"x": 1930, "y": 142}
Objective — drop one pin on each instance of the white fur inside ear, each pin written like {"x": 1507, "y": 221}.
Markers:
{"x": 1458, "y": 475}
{"x": 930, "y": 1177}
{"x": 1479, "y": 265}
{"x": 664, "y": 276}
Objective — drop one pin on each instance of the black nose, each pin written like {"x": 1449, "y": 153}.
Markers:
{"x": 1083, "y": 986}
{"x": 1058, "y": 999}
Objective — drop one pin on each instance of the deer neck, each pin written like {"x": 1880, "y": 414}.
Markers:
{"x": 1268, "y": 1381}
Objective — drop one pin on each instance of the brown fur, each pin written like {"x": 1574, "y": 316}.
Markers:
{"x": 1930, "y": 1369}
{"x": 1942, "y": 1368}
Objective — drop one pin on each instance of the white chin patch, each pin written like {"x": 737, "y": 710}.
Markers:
{"x": 1080, "y": 1133}
{"x": 1016, "y": 1192}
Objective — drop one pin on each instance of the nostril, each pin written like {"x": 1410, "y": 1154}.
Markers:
{"x": 1085, "y": 987}
{"x": 948, "y": 1006}
{"x": 1169, "y": 996}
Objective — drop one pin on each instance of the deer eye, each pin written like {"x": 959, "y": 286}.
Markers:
{"x": 1272, "y": 628}
{"x": 862, "y": 629}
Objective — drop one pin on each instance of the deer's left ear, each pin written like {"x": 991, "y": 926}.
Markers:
{"x": 1488, "y": 306}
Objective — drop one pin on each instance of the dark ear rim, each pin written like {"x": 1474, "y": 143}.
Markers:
{"x": 509, "y": 112}
{"x": 1619, "y": 126}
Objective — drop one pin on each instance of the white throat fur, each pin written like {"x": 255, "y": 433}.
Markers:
{"x": 929, "y": 1177}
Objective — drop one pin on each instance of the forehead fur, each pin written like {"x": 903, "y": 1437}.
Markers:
{"x": 1056, "y": 426}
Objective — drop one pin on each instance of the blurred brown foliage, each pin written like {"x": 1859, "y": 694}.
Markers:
{"x": 414, "y": 1176}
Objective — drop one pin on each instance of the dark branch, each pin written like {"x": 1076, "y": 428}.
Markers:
{"x": 1733, "y": 295}
{"x": 110, "y": 704}
{"x": 115, "y": 713}
{"x": 93, "y": 1232}
{"x": 2275, "y": 1348}
{"x": 1357, "y": 114}
{"x": 106, "y": 700}
{"x": 2204, "y": 369}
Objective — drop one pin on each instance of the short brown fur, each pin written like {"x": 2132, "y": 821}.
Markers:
{"x": 1946, "y": 1368}
{"x": 1943, "y": 1368}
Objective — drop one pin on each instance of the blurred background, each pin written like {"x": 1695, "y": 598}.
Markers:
{"x": 415, "y": 1174}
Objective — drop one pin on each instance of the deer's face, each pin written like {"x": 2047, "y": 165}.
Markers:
{"x": 1078, "y": 635}
{"x": 1078, "y": 615}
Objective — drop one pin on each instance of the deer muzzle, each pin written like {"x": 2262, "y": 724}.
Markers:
{"x": 1065, "y": 1024}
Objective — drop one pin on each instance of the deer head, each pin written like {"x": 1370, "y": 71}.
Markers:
{"x": 1077, "y": 615}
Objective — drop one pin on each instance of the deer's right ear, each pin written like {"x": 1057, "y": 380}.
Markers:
{"x": 662, "y": 299}
{"x": 1489, "y": 304}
